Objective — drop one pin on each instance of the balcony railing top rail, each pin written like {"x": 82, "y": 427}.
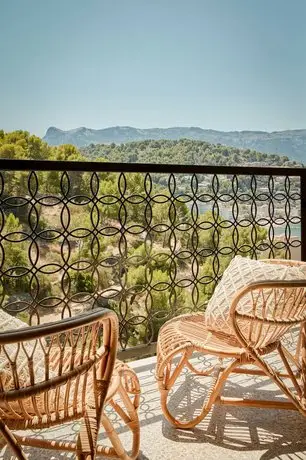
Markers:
{"x": 95, "y": 166}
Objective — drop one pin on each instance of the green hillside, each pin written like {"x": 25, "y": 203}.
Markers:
{"x": 183, "y": 151}
{"x": 291, "y": 142}
{"x": 21, "y": 144}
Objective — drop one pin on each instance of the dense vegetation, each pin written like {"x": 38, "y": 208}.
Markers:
{"x": 100, "y": 260}
{"x": 183, "y": 151}
{"x": 23, "y": 145}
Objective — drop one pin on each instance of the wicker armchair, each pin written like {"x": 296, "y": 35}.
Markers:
{"x": 64, "y": 371}
{"x": 255, "y": 335}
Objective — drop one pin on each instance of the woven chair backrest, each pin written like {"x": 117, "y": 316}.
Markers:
{"x": 273, "y": 307}
{"x": 49, "y": 368}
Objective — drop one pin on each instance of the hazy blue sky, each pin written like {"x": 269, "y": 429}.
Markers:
{"x": 220, "y": 64}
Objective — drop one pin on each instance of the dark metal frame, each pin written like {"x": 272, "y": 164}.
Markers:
{"x": 90, "y": 166}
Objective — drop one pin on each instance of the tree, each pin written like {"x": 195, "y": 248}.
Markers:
{"x": 15, "y": 264}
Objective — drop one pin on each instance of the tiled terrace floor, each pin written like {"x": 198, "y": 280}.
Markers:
{"x": 227, "y": 432}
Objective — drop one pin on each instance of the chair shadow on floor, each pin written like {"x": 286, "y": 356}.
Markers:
{"x": 281, "y": 434}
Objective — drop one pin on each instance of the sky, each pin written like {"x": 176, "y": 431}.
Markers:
{"x": 218, "y": 64}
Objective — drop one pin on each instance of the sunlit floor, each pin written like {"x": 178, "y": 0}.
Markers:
{"x": 226, "y": 433}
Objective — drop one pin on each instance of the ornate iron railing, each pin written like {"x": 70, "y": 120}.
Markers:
{"x": 149, "y": 241}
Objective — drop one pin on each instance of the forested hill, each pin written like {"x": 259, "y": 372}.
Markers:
{"x": 23, "y": 145}
{"x": 183, "y": 151}
{"x": 291, "y": 142}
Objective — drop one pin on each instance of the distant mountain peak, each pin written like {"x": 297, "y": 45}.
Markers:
{"x": 53, "y": 130}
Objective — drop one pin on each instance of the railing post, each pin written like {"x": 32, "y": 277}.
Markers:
{"x": 303, "y": 215}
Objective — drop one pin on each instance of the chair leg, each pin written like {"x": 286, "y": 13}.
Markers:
{"x": 296, "y": 398}
{"x": 114, "y": 438}
{"x": 87, "y": 439}
{"x": 118, "y": 448}
{"x": 12, "y": 441}
{"x": 125, "y": 403}
{"x": 219, "y": 377}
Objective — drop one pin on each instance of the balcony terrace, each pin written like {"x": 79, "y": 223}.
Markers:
{"x": 227, "y": 432}
{"x": 151, "y": 242}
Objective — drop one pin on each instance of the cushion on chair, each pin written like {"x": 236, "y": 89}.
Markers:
{"x": 241, "y": 272}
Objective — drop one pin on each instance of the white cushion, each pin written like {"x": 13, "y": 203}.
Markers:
{"x": 240, "y": 272}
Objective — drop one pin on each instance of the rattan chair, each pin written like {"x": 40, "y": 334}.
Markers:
{"x": 78, "y": 375}
{"x": 255, "y": 335}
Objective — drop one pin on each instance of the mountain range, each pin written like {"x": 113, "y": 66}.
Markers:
{"x": 291, "y": 142}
